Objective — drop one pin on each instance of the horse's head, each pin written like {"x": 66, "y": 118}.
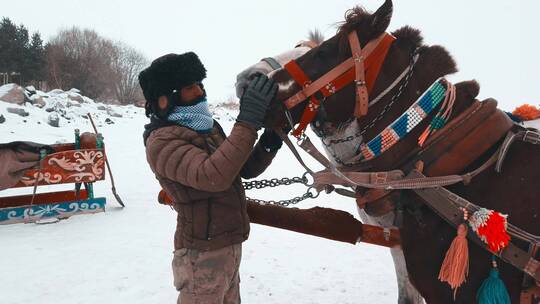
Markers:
{"x": 270, "y": 64}
{"x": 324, "y": 58}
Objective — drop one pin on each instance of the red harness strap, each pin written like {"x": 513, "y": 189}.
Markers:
{"x": 339, "y": 77}
{"x": 313, "y": 106}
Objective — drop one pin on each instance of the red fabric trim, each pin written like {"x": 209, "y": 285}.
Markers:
{"x": 297, "y": 73}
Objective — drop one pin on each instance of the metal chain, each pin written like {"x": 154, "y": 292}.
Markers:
{"x": 310, "y": 193}
{"x": 398, "y": 94}
{"x": 275, "y": 182}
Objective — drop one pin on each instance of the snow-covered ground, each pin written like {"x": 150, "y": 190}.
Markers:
{"x": 124, "y": 255}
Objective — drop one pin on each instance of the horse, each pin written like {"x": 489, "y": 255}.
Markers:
{"x": 333, "y": 146}
{"x": 409, "y": 68}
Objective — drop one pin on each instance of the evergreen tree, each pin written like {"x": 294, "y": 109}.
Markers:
{"x": 20, "y": 55}
{"x": 36, "y": 58}
{"x": 8, "y": 34}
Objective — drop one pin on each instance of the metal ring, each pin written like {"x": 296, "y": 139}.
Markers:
{"x": 311, "y": 192}
{"x": 305, "y": 178}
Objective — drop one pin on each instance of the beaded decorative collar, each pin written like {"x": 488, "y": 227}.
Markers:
{"x": 402, "y": 126}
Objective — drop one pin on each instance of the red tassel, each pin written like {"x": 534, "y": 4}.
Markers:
{"x": 491, "y": 228}
{"x": 455, "y": 267}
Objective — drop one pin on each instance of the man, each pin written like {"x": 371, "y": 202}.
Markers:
{"x": 201, "y": 169}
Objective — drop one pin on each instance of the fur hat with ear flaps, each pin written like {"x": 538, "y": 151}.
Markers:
{"x": 170, "y": 72}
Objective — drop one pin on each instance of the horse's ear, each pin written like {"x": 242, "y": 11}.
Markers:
{"x": 380, "y": 20}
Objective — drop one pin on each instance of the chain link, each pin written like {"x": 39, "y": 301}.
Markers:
{"x": 275, "y": 182}
{"x": 310, "y": 193}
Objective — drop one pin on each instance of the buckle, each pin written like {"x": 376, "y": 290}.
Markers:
{"x": 535, "y": 137}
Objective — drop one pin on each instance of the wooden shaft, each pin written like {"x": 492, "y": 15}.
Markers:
{"x": 327, "y": 223}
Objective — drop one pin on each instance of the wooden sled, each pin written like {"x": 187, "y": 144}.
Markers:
{"x": 81, "y": 163}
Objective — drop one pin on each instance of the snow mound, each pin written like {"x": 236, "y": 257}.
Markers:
{"x": 58, "y": 108}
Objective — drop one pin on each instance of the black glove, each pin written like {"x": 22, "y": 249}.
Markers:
{"x": 270, "y": 140}
{"x": 255, "y": 101}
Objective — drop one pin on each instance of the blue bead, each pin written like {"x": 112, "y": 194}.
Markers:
{"x": 400, "y": 126}
{"x": 375, "y": 145}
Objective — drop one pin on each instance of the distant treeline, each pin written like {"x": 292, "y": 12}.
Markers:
{"x": 74, "y": 58}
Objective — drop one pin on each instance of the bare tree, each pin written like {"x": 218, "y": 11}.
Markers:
{"x": 97, "y": 66}
{"x": 127, "y": 63}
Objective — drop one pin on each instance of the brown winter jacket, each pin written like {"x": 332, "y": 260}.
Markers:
{"x": 201, "y": 173}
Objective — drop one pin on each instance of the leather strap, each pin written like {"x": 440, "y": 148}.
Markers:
{"x": 362, "y": 98}
{"x": 474, "y": 143}
{"x": 308, "y": 146}
{"x": 508, "y": 140}
{"x": 313, "y": 106}
{"x": 529, "y": 136}
{"x": 289, "y": 144}
{"x": 394, "y": 180}
{"x": 272, "y": 63}
{"x": 439, "y": 200}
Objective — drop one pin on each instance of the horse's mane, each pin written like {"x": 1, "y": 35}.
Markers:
{"x": 408, "y": 38}
{"x": 316, "y": 36}
{"x": 354, "y": 18}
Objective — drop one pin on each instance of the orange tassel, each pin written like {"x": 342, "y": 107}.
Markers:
{"x": 424, "y": 136}
{"x": 455, "y": 267}
{"x": 527, "y": 112}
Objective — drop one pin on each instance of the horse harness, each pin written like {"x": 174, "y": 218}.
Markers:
{"x": 482, "y": 124}
{"x": 442, "y": 158}
{"x": 362, "y": 67}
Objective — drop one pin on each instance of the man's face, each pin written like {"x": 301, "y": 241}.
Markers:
{"x": 191, "y": 94}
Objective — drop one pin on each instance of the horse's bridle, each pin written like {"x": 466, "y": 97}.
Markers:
{"x": 275, "y": 65}
{"x": 362, "y": 68}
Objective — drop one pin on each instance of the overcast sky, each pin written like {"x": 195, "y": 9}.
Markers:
{"x": 493, "y": 41}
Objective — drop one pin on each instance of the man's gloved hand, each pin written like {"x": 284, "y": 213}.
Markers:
{"x": 270, "y": 140}
{"x": 255, "y": 101}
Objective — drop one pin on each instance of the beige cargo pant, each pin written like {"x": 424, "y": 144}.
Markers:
{"x": 208, "y": 277}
